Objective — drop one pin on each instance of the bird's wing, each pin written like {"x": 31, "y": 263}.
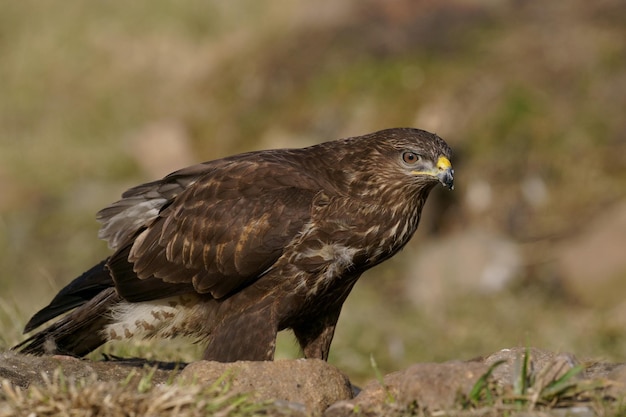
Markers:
{"x": 221, "y": 232}
{"x": 140, "y": 205}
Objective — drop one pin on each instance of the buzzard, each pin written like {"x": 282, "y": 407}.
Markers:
{"x": 232, "y": 251}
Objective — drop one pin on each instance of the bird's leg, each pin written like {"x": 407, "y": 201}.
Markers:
{"x": 315, "y": 334}
{"x": 315, "y": 337}
{"x": 249, "y": 336}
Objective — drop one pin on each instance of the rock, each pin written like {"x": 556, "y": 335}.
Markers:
{"x": 312, "y": 383}
{"x": 616, "y": 375}
{"x": 24, "y": 370}
{"x": 437, "y": 386}
{"x": 431, "y": 386}
{"x": 541, "y": 363}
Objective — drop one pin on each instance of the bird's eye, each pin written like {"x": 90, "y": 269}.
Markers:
{"x": 410, "y": 158}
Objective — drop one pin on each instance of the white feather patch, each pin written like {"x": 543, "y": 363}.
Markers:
{"x": 338, "y": 258}
{"x": 165, "y": 318}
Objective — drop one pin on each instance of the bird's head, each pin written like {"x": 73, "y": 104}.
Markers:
{"x": 390, "y": 164}
{"x": 419, "y": 156}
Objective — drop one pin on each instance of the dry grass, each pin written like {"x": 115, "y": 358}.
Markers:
{"x": 61, "y": 396}
{"x": 553, "y": 391}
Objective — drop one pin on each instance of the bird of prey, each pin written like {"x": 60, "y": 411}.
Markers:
{"x": 234, "y": 250}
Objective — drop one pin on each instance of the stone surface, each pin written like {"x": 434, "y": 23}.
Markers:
{"x": 313, "y": 387}
{"x": 313, "y": 383}
{"x": 431, "y": 386}
{"x": 24, "y": 370}
{"x": 436, "y": 386}
{"x": 542, "y": 363}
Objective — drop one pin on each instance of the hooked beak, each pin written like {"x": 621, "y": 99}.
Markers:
{"x": 444, "y": 172}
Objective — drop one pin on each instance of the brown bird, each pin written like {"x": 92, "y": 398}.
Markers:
{"x": 234, "y": 250}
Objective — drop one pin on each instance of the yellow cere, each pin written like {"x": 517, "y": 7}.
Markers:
{"x": 443, "y": 163}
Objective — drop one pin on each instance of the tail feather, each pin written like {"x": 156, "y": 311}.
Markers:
{"x": 76, "y": 334}
{"x": 75, "y": 294}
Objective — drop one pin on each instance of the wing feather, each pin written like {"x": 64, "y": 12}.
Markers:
{"x": 223, "y": 230}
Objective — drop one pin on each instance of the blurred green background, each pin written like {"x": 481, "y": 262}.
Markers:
{"x": 529, "y": 249}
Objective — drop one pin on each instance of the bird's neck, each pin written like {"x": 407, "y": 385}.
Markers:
{"x": 400, "y": 223}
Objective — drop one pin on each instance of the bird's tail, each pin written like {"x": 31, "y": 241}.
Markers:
{"x": 91, "y": 297}
{"x": 76, "y": 334}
